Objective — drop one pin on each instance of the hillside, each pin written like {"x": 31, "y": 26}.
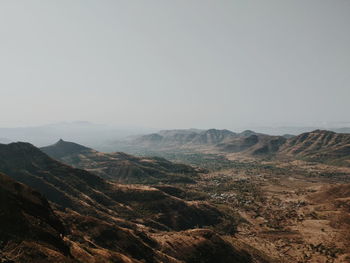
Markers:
{"x": 108, "y": 222}
{"x": 62, "y": 149}
{"x": 253, "y": 145}
{"x": 31, "y": 232}
{"x": 175, "y": 139}
{"x": 29, "y": 229}
{"x": 320, "y": 146}
{"x": 247, "y": 142}
{"x": 87, "y": 193}
{"x": 121, "y": 167}
{"x": 317, "y": 146}
{"x": 333, "y": 204}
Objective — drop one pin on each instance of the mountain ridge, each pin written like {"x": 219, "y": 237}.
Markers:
{"x": 119, "y": 223}
{"x": 312, "y": 146}
{"x": 119, "y": 166}
{"x": 319, "y": 145}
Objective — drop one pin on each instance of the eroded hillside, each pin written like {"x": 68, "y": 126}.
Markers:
{"x": 121, "y": 167}
{"x": 109, "y": 222}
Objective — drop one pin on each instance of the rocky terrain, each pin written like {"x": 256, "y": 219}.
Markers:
{"x": 318, "y": 146}
{"x": 291, "y": 191}
{"x": 95, "y": 220}
{"x": 28, "y": 226}
{"x": 253, "y": 145}
{"x": 250, "y": 198}
{"x": 177, "y": 139}
{"x": 121, "y": 167}
{"x": 293, "y": 212}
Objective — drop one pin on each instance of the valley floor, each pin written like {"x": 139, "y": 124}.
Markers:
{"x": 292, "y": 211}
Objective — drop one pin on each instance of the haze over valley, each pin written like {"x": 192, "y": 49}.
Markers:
{"x": 175, "y": 131}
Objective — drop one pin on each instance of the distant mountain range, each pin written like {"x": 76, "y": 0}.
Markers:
{"x": 182, "y": 139}
{"x": 94, "y": 135}
{"x": 318, "y": 145}
{"x": 103, "y": 137}
{"x": 343, "y": 127}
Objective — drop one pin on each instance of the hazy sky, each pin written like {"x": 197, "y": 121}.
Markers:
{"x": 177, "y": 63}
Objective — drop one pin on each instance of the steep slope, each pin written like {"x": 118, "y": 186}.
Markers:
{"x": 332, "y": 194}
{"x": 121, "y": 167}
{"x": 212, "y": 137}
{"x": 247, "y": 133}
{"x": 107, "y": 222}
{"x": 201, "y": 245}
{"x": 333, "y": 206}
{"x": 320, "y": 146}
{"x": 253, "y": 145}
{"x": 89, "y": 194}
{"x": 208, "y": 141}
{"x": 29, "y": 230}
{"x": 61, "y": 149}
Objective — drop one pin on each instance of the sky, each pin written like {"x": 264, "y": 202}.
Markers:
{"x": 174, "y": 64}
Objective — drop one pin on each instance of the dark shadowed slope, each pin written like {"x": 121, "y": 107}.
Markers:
{"x": 29, "y": 230}
{"x": 107, "y": 222}
{"x": 62, "y": 149}
{"x": 121, "y": 167}
{"x": 89, "y": 194}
